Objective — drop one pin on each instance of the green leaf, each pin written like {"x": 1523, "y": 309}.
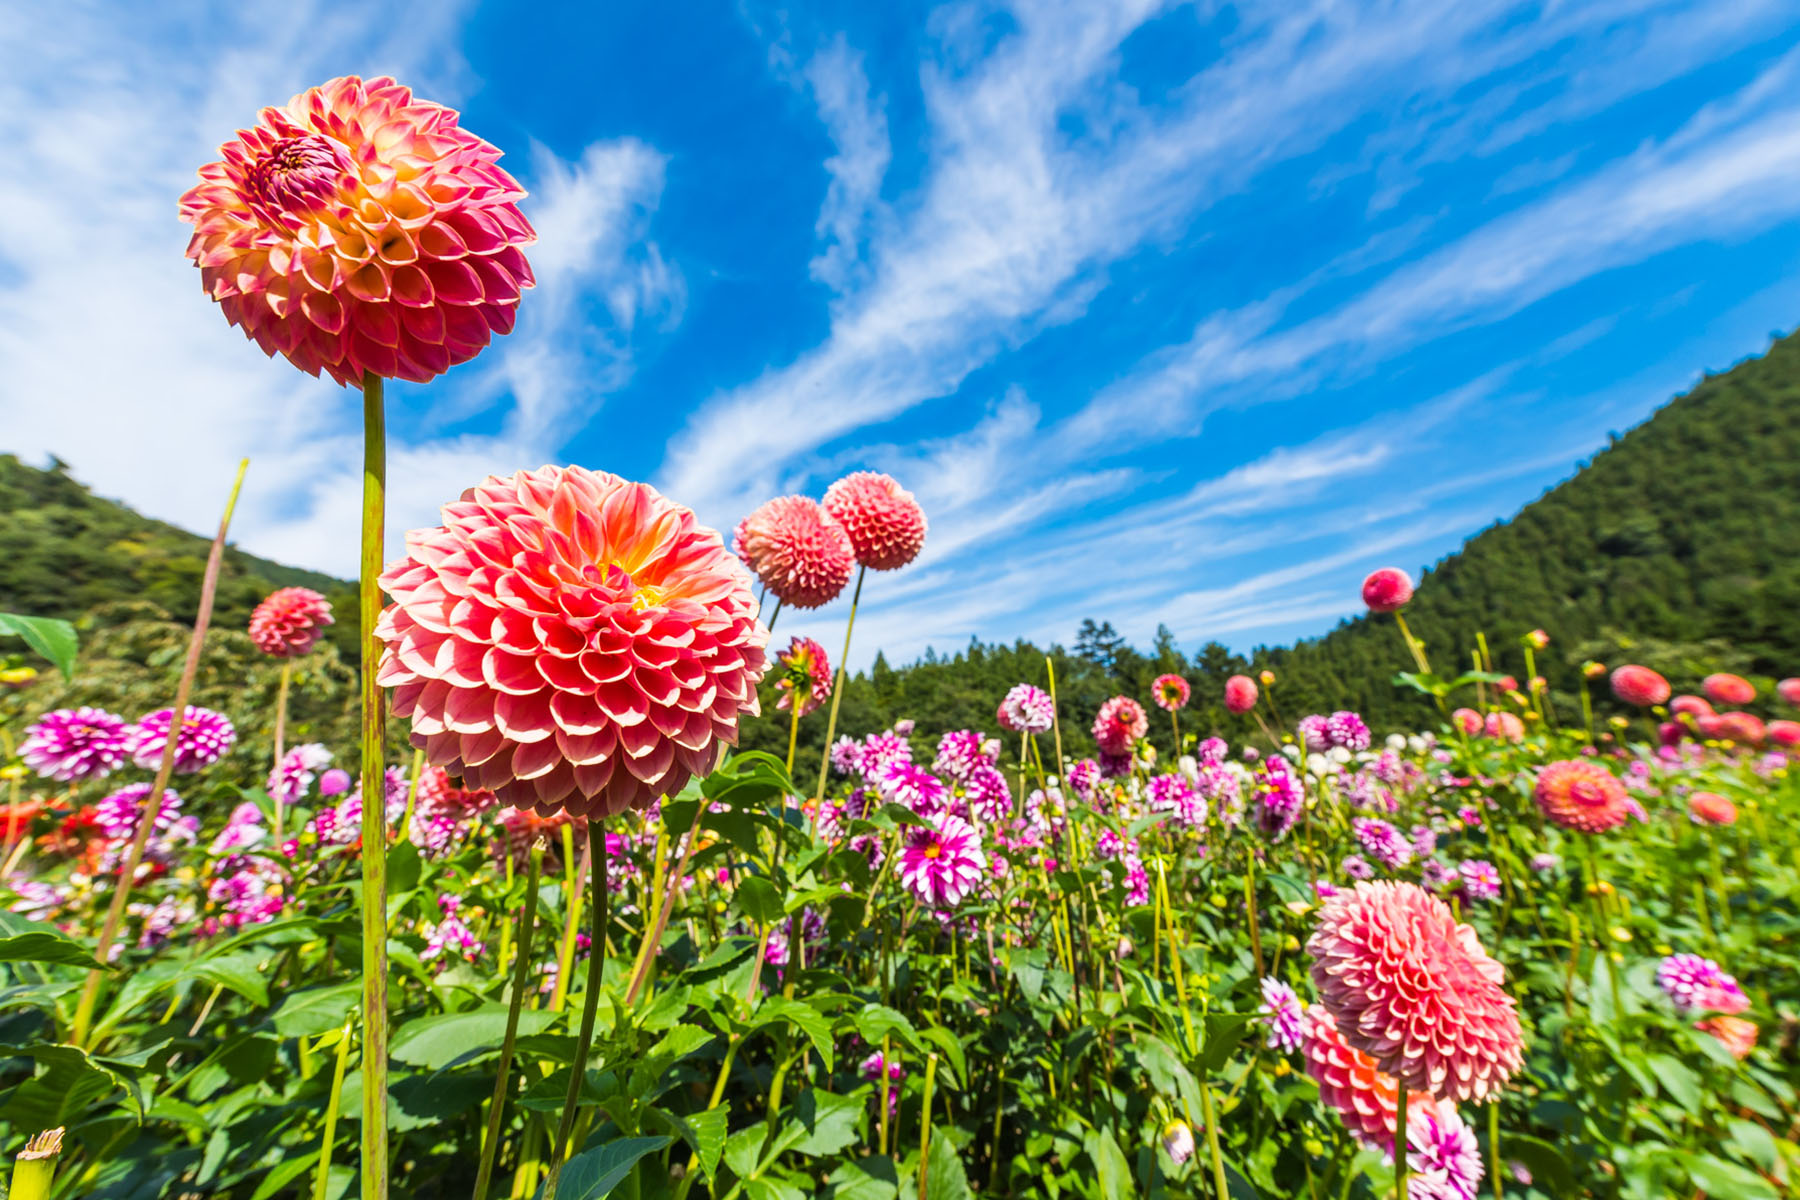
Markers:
{"x": 1680, "y": 1080}
{"x": 765, "y": 1188}
{"x": 809, "y": 1019}
{"x": 71, "y": 1084}
{"x": 1223, "y": 1033}
{"x": 759, "y": 899}
{"x": 1755, "y": 1141}
{"x": 437, "y": 1041}
{"x": 403, "y": 867}
{"x": 872, "y": 1178}
{"x": 316, "y": 1010}
{"x": 830, "y": 1122}
{"x": 52, "y": 638}
{"x": 877, "y": 1021}
{"x": 284, "y": 1173}
{"x": 708, "y": 1130}
{"x": 1237, "y": 1187}
{"x": 1719, "y": 1178}
{"x": 946, "y": 1041}
{"x": 1549, "y": 1169}
{"x": 743, "y": 1148}
{"x": 1425, "y": 682}
{"x": 241, "y": 973}
{"x": 1112, "y": 1170}
{"x": 595, "y": 1173}
{"x": 37, "y": 947}
{"x": 944, "y": 1176}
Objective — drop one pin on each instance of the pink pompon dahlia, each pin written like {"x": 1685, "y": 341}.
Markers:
{"x": 1724, "y": 688}
{"x": 1119, "y": 724}
{"x": 206, "y": 736}
{"x": 1785, "y": 734}
{"x": 805, "y": 676}
{"x": 1283, "y": 1016}
{"x": 1026, "y": 709}
{"x": 1699, "y": 985}
{"x": 1240, "y": 693}
{"x": 1365, "y": 1098}
{"x": 797, "y": 549}
{"x": 1412, "y": 988}
{"x": 73, "y": 744}
{"x": 1582, "y": 795}
{"x": 1693, "y": 706}
{"x": 1171, "y": 692}
{"x": 1387, "y": 589}
{"x": 289, "y": 622}
{"x": 570, "y": 640}
{"x": 942, "y": 863}
{"x": 357, "y": 230}
{"x": 886, "y": 525}
{"x": 1710, "y": 808}
{"x": 1639, "y": 686}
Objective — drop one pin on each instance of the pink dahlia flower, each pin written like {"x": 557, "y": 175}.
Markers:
{"x": 1723, "y": 688}
{"x": 1027, "y": 709}
{"x": 1699, "y": 985}
{"x": 289, "y": 622}
{"x": 1365, "y": 1098}
{"x": 1467, "y": 720}
{"x": 206, "y": 736}
{"x": 805, "y": 675}
{"x": 1387, "y": 590}
{"x": 1413, "y": 989}
{"x": 886, "y": 525}
{"x": 359, "y": 230}
{"x": 1282, "y": 1016}
{"x": 1639, "y": 686}
{"x": 1582, "y": 795}
{"x": 1746, "y": 729}
{"x": 1171, "y": 692}
{"x": 1789, "y": 690}
{"x": 1442, "y": 1154}
{"x": 1694, "y": 706}
{"x": 1240, "y": 693}
{"x": 570, "y": 640}
{"x": 1783, "y": 733}
{"x": 1736, "y": 1034}
{"x": 1119, "y": 724}
{"x": 73, "y": 744}
{"x": 797, "y": 549}
{"x": 1710, "y": 808}
{"x": 1504, "y": 726}
{"x": 941, "y": 864}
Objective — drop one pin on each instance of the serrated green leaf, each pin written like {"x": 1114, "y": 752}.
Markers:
{"x": 944, "y": 1175}
{"x": 872, "y": 1178}
{"x": 1223, "y": 1033}
{"x": 830, "y": 1122}
{"x": 808, "y": 1019}
{"x": 708, "y": 1136}
{"x": 240, "y": 973}
{"x": 744, "y": 1148}
{"x": 759, "y": 899}
{"x": 877, "y": 1021}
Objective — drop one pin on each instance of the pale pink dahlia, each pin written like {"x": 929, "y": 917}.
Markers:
{"x": 1027, "y": 709}
{"x": 206, "y": 736}
{"x": 1413, "y": 989}
{"x": 1171, "y": 692}
{"x": 886, "y": 525}
{"x": 797, "y": 549}
{"x": 1119, "y": 724}
{"x": 941, "y": 864}
{"x": 73, "y": 744}
{"x": 1582, "y": 795}
{"x": 359, "y": 230}
{"x": 570, "y": 640}
{"x": 289, "y": 622}
{"x": 1387, "y": 590}
{"x": 805, "y": 675}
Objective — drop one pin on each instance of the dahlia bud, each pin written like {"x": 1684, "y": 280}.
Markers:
{"x": 1592, "y": 670}
{"x": 1387, "y": 590}
{"x": 1537, "y": 639}
{"x": 1178, "y": 1141}
{"x": 1268, "y": 678}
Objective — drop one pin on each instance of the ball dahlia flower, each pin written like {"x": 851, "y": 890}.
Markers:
{"x": 1387, "y": 590}
{"x": 1693, "y": 706}
{"x": 206, "y": 736}
{"x": 359, "y": 230}
{"x": 73, "y": 744}
{"x": 805, "y": 676}
{"x": 942, "y": 863}
{"x": 797, "y": 549}
{"x": 1785, "y": 734}
{"x": 1746, "y": 729}
{"x": 1347, "y": 729}
{"x": 886, "y": 525}
{"x": 1582, "y": 795}
{"x": 1026, "y": 709}
{"x": 1119, "y": 724}
{"x": 1710, "y": 808}
{"x": 1467, "y": 720}
{"x": 1365, "y": 1098}
{"x": 1724, "y": 688}
{"x": 1699, "y": 985}
{"x": 1504, "y": 726}
{"x": 1171, "y": 692}
{"x": 1789, "y": 690}
{"x": 1639, "y": 686}
{"x": 1413, "y": 989}
{"x": 1240, "y": 694}
{"x": 289, "y": 622}
{"x": 570, "y": 640}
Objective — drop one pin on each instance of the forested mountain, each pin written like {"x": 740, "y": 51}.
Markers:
{"x": 1677, "y": 545}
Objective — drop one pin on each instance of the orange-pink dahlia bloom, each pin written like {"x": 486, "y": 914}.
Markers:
{"x": 797, "y": 549}
{"x": 1119, "y": 724}
{"x": 1710, "y": 808}
{"x": 886, "y": 525}
{"x": 1413, "y": 989}
{"x": 570, "y": 640}
{"x": 290, "y": 621}
{"x": 358, "y": 229}
{"x": 805, "y": 676}
{"x": 1365, "y": 1098}
{"x": 1582, "y": 795}
{"x": 1725, "y": 688}
{"x": 1735, "y": 1033}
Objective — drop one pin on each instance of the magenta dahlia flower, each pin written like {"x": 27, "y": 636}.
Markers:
{"x": 912, "y": 787}
{"x": 805, "y": 676}
{"x": 885, "y": 524}
{"x": 798, "y": 550}
{"x": 1314, "y": 732}
{"x": 1027, "y": 709}
{"x": 1084, "y": 778}
{"x": 1480, "y": 879}
{"x": 293, "y": 775}
{"x": 1171, "y": 692}
{"x": 206, "y": 737}
{"x": 118, "y": 815}
{"x": 570, "y": 640}
{"x": 1699, "y": 985}
{"x": 1789, "y": 690}
{"x": 941, "y": 864}
{"x": 1277, "y": 797}
{"x": 357, "y": 230}
{"x": 1387, "y": 589}
{"x": 1442, "y": 1156}
{"x": 1413, "y": 989}
{"x": 1118, "y": 725}
{"x": 1582, "y": 795}
{"x": 75, "y": 744}
{"x": 290, "y": 621}
{"x": 989, "y": 796}
{"x": 1383, "y": 842}
{"x": 960, "y": 753}
{"x": 1283, "y": 1016}
{"x": 1347, "y": 730}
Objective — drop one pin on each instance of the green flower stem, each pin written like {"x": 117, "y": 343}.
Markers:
{"x": 1494, "y": 1149}
{"x": 837, "y": 692}
{"x": 590, "y": 1005}
{"x": 412, "y": 797}
{"x": 653, "y": 939}
{"x": 565, "y": 956}
{"x": 374, "y": 814}
{"x": 281, "y": 706}
{"x": 521, "y": 979}
{"x": 794, "y": 731}
{"x": 1400, "y": 1142}
{"x": 323, "y": 1175}
{"x": 115, "y": 914}
{"x": 925, "y": 1122}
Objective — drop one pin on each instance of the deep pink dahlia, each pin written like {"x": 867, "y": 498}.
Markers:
{"x": 1171, "y": 692}
{"x": 289, "y": 622}
{"x": 941, "y": 864}
{"x": 1119, "y": 724}
{"x": 1413, "y": 989}
{"x": 912, "y": 787}
{"x": 358, "y": 229}
{"x": 1387, "y": 590}
{"x": 1027, "y": 709}
{"x": 570, "y": 640}
{"x": 1700, "y": 985}
{"x": 1283, "y": 1016}
{"x": 960, "y": 752}
{"x": 73, "y": 744}
{"x": 798, "y": 550}
{"x": 1789, "y": 689}
{"x": 805, "y": 676}
{"x": 206, "y": 736}
{"x": 886, "y": 525}
{"x": 1724, "y": 688}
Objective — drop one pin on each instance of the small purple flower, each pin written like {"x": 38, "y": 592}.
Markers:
{"x": 451, "y": 937}
{"x": 242, "y": 831}
{"x": 1697, "y": 984}
{"x": 1137, "y": 881}
{"x": 1546, "y": 864}
{"x": 334, "y": 782}
{"x": 1424, "y": 841}
{"x": 1278, "y": 800}
{"x": 1480, "y": 879}
{"x": 1387, "y": 845}
{"x": 1442, "y": 1154}
{"x": 879, "y": 750}
{"x": 988, "y": 794}
{"x": 119, "y": 813}
{"x": 1027, "y": 709}
{"x": 872, "y": 1068}
{"x": 1355, "y": 866}
{"x": 1283, "y": 1015}
{"x": 1174, "y": 794}
{"x": 812, "y": 933}
{"x": 1347, "y": 730}
{"x": 1113, "y": 766}
{"x": 1324, "y": 890}
{"x": 293, "y": 775}
{"x": 1437, "y": 875}
{"x": 1084, "y": 777}
{"x": 1469, "y": 816}
{"x": 73, "y": 744}
{"x": 942, "y": 863}
{"x": 1212, "y": 750}
{"x": 205, "y": 738}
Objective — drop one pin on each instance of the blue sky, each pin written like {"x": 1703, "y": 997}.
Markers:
{"x": 1187, "y": 314}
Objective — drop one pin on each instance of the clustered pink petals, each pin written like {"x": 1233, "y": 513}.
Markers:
{"x": 1412, "y": 988}
{"x": 1700, "y": 985}
{"x": 1027, "y": 709}
{"x": 805, "y": 676}
{"x": 1582, "y": 795}
{"x": 289, "y": 622}
{"x": 942, "y": 863}
{"x": 1119, "y": 724}
{"x": 1710, "y": 808}
{"x": 1171, "y": 692}
{"x": 1639, "y": 686}
{"x": 797, "y": 549}
{"x": 1387, "y": 590}
{"x": 1240, "y": 694}
{"x": 570, "y": 640}
{"x": 358, "y": 230}
{"x": 74, "y": 744}
{"x": 206, "y": 736}
{"x": 886, "y": 525}
{"x": 1365, "y": 1099}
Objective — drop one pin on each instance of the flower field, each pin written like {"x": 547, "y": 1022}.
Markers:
{"x": 583, "y": 945}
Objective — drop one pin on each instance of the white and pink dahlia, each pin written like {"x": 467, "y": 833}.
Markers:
{"x": 290, "y": 621}
{"x": 884, "y": 521}
{"x": 358, "y": 230}
{"x": 941, "y": 864}
{"x": 1171, "y": 692}
{"x": 1027, "y": 709}
{"x": 570, "y": 640}
{"x": 1119, "y": 724}
{"x": 797, "y": 549}
{"x": 206, "y": 737}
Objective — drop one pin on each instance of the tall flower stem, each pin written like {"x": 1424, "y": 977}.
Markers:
{"x": 322, "y": 1176}
{"x": 281, "y": 701}
{"x": 1055, "y": 719}
{"x": 1494, "y": 1149}
{"x": 115, "y": 914}
{"x": 590, "y": 1005}
{"x": 794, "y": 732}
{"x": 374, "y": 790}
{"x": 521, "y": 977}
{"x": 837, "y": 693}
{"x": 1400, "y": 1142}
{"x": 925, "y": 1121}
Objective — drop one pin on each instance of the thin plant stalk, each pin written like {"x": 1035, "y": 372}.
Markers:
{"x": 653, "y": 937}
{"x": 837, "y": 692}
{"x": 374, "y": 790}
{"x": 925, "y": 1122}
{"x": 281, "y": 705}
{"x": 565, "y": 956}
{"x": 1494, "y": 1150}
{"x": 412, "y": 797}
{"x": 490, "y": 1142}
{"x": 590, "y": 1005}
{"x": 1400, "y": 1142}
{"x": 115, "y": 914}
{"x": 322, "y": 1177}
{"x": 794, "y": 730}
